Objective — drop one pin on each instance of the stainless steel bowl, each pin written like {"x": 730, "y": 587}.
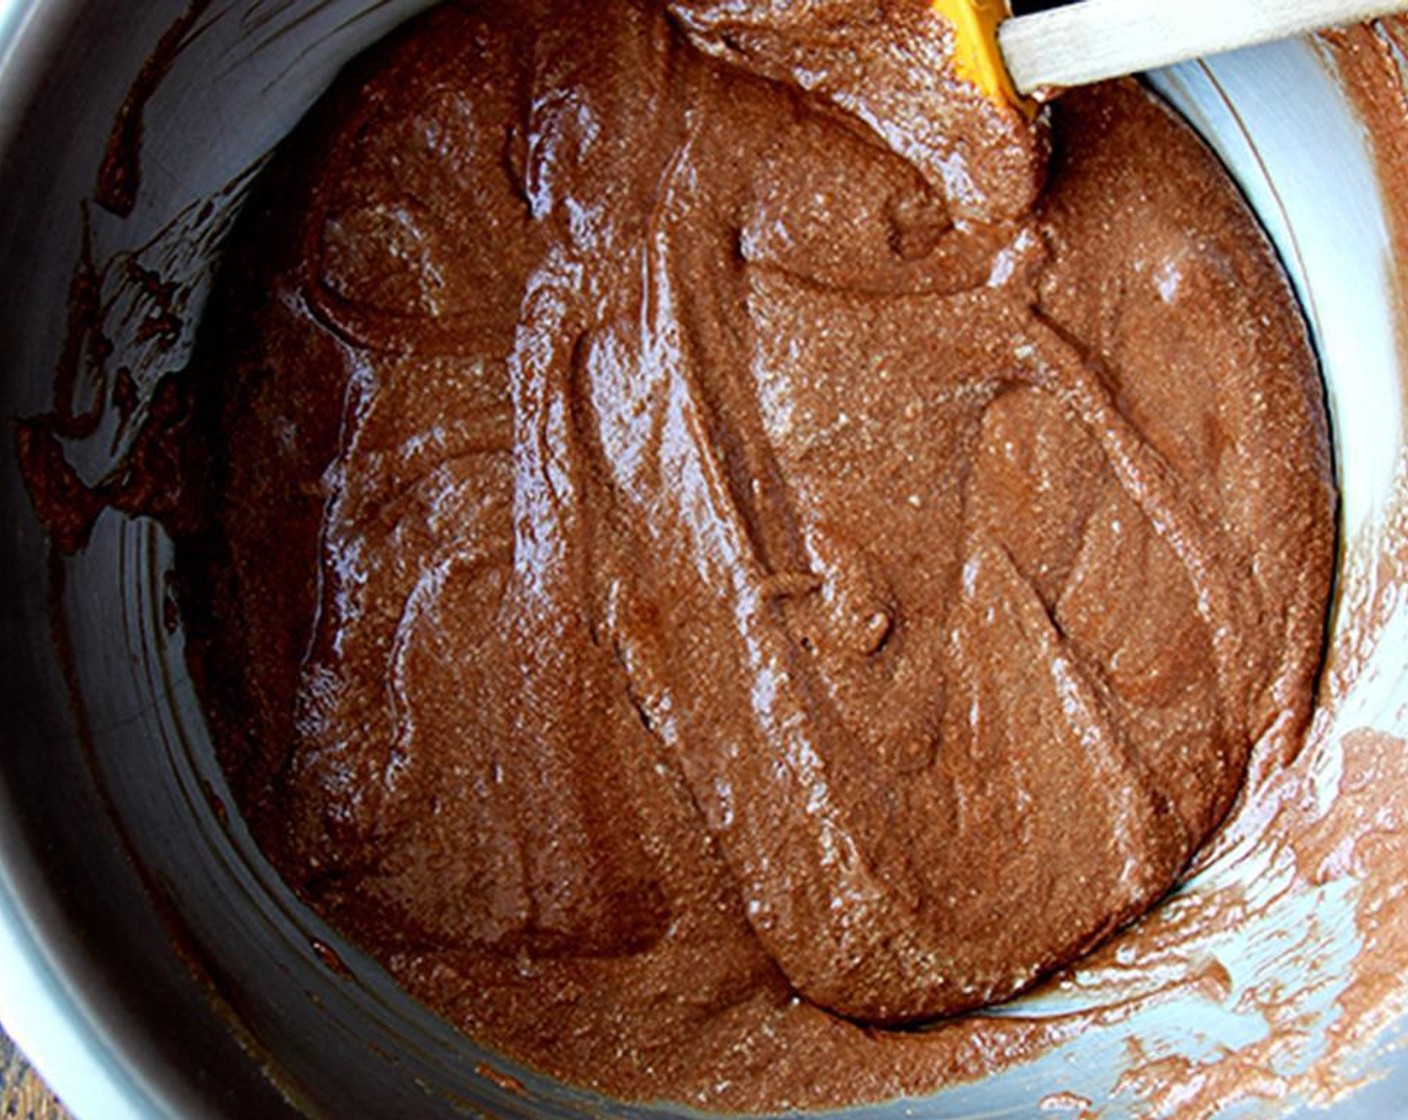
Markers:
{"x": 150, "y": 962}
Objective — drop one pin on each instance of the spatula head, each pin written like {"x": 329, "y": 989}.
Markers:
{"x": 976, "y": 55}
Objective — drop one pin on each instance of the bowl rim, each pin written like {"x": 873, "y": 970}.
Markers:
{"x": 44, "y": 1018}
{"x": 52, "y": 1030}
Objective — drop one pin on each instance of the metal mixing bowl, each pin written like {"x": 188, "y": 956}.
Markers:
{"x": 150, "y": 962}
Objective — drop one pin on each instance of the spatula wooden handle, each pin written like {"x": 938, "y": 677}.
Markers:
{"x": 1097, "y": 39}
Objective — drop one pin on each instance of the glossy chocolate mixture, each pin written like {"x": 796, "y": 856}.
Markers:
{"x": 712, "y": 543}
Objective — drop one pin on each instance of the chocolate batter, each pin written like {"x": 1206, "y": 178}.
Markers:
{"x": 700, "y": 550}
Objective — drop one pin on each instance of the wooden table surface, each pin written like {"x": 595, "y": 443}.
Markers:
{"x": 22, "y": 1095}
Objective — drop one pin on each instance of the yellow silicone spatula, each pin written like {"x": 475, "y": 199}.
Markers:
{"x": 1012, "y": 57}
